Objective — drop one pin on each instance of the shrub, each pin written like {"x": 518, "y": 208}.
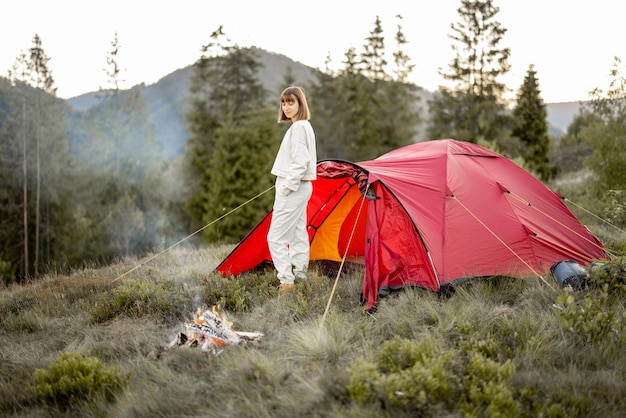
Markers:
{"x": 74, "y": 378}
{"x": 7, "y": 274}
{"x": 590, "y": 318}
{"x": 596, "y": 314}
{"x": 239, "y": 294}
{"x": 412, "y": 376}
{"x": 163, "y": 301}
{"x": 426, "y": 378}
{"x": 613, "y": 275}
{"x": 485, "y": 392}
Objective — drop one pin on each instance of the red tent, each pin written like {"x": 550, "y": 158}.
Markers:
{"x": 430, "y": 213}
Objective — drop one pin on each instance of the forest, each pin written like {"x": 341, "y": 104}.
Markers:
{"x": 108, "y": 248}
{"x": 80, "y": 187}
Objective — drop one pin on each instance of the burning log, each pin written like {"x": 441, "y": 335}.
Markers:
{"x": 211, "y": 332}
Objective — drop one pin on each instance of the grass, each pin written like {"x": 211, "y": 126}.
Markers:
{"x": 92, "y": 344}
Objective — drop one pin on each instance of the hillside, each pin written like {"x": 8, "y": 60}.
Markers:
{"x": 104, "y": 342}
{"x": 167, "y": 98}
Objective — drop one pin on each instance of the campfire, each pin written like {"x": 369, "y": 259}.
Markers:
{"x": 211, "y": 332}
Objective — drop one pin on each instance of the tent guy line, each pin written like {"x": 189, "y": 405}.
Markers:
{"x": 191, "y": 235}
{"x": 502, "y": 242}
{"x": 519, "y": 198}
{"x": 598, "y": 218}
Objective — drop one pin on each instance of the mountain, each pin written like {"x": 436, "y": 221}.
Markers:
{"x": 560, "y": 115}
{"x": 167, "y": 99}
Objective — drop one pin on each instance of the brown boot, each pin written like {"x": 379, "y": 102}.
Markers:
{"x": 283, "y": 289}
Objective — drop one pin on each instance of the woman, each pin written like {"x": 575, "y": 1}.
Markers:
{"x": 294, "y": 168}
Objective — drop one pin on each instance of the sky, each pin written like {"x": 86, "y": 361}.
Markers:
{"x": 571, "y": 43}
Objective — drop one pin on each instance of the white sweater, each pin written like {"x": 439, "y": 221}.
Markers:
{"x": 297, "y": 156}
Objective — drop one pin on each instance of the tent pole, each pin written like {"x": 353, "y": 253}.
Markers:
{"x": 343, "y": 259}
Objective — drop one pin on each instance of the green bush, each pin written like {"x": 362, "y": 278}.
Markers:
{"x": 7, "y": 274}
{"x": 485, "y": 392}
{"x": 412, "y": 376}
{"x": 74, "y": 378}
{"x": 611, "y": 274}
{"x": 591, "y": 318}
{"x": 596, "y": 313}
{"x": 615, "y": 213}
{"x": 164, "y": 301}
{"x": 241, "y": 293}
{"x": 426, "y": 378}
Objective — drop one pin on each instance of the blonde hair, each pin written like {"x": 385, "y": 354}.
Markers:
{"x": 294, "y": 93}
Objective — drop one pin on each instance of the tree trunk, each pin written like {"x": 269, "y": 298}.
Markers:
{"x": 38, "y": 192}
{"x": 25, "y": 190}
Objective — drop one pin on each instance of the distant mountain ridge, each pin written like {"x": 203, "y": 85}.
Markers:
{"x": 167, "y": 99}
{"x": 561, "y": 115}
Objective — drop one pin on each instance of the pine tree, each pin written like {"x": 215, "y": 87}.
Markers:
{"x": 329, "y": 132}
{"x": 114, "y": 102}
{"x": 18, "y": 75}
{"x": 606, "y": 134}
{"x": 402, "y": 66}
{"x": 473, "y": 109}
{"x": 365, "y": 111}
{"x": 343, "y": 105}
{"x": 14, "y": 254}
{"x": 41, "y": 79}
{"x": 289, "y": 79}
{"x": 358, "y": 105}
{"x": 121, "y": 163}
{"x": 532, "y": 127}
{"x": 129, "y": 163}
{"x": 241, "y": 164}
{"x": 346, "y": 100}
{"x": 45, "y": 160}
{"x": 226, "y": 122}
{"x": 373, "y": 59}
{"x": 399, "y": 113}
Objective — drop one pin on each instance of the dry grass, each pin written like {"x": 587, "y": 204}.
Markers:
{"x": 304, "y": 366}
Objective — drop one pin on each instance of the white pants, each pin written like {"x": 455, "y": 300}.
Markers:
{"x": 287, "y": 238}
